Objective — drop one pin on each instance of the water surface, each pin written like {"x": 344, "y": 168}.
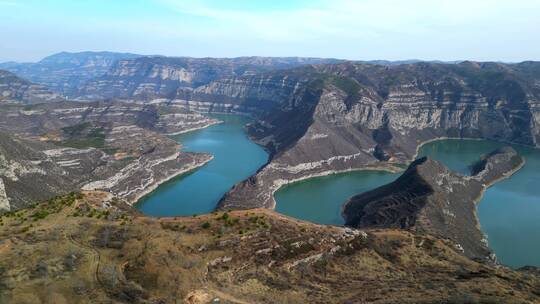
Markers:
{"x": 319, "y": 199}
{"x": 509, "y": 212}
{"x": 236, "y": 158}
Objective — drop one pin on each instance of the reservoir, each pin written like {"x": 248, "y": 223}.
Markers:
{"x": 236, "y": 157}
{"x": 509, "y": 211}
{"x": 319, "y": 199}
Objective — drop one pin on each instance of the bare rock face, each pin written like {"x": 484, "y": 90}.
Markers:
{"x": 429, "y": 198}
{"x": 16, "y": 90}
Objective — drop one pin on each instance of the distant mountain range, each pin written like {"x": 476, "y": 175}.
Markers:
{"x": 63, "y": 72}
{"x": 67, "y": 73}
{"x": 16, "y": 89}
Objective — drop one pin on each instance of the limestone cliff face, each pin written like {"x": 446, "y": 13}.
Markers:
{"x": 149, "y": 78}
{"x": 317, "y": 118}
{"x": 17, "y": 90}
{"x": 368, "y": 115}
{"x": 430, "y": 198}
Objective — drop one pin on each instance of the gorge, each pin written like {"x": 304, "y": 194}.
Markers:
{"x": 98, "y": 134}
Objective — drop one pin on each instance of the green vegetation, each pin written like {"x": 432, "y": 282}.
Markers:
{"x": 348, "y": 85}
{"x": 77, "y": 129}
{"x": 84, "y": 135}
{"x": 41, "y": 211}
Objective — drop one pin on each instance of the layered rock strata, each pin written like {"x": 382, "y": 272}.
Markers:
{"x": 17, "y": 90}
{"x": 350, "y": 116}
{"x": 65, "y": 72}
{"x": 54, "y": 148}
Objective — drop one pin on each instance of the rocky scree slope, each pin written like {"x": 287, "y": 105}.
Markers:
{"x": 17, "y": 90}
{"x": 64, "y": 72}
{"x": 430, "y": 198}
{"x": 91, "y": 248}
{"x": 352, "y": 116}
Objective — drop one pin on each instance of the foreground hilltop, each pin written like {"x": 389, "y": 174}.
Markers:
{"x": 91, "y": 248}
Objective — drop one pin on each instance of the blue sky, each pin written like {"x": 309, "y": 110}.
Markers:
{"x": 362, "y": 29}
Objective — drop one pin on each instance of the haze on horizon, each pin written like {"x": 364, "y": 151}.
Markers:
{"x": 480, "y": 30}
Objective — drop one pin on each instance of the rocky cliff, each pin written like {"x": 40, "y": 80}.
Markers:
{"x": 17, "y": 90}
{"x": 148, "y": 78}
{"x": 429, "y": 198}
{"x": 356, "y": 116}
{"x": 65, "y": 72}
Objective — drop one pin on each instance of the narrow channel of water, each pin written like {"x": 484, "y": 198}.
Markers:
{"x": 236, "y": 158}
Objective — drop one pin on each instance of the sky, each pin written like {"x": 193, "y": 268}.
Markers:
{"x": 483, "y": 30}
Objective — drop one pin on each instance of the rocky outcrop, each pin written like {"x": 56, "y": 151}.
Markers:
{"x": 64, "y": 72}
{"x": 17, "y": 90}
{"x": 359, "y": 116}
{"x": 429, "y": 198}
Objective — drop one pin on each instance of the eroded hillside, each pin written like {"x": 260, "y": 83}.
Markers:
{"x": 91, "y": 248}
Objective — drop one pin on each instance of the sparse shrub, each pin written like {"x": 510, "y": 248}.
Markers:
{"x": 205, "y": 225}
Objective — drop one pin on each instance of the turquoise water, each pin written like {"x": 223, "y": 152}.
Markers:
{"x": 319, "y": 199}
{"x": 509, "y": 211}
{"x": 235, "y": 159}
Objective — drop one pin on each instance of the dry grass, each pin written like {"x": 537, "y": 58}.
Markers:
{"x": 112, "y": 255}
